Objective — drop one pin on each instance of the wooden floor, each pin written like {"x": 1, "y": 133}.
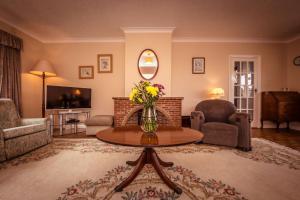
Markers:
{"x": 284, "y": 137}
{"x": 289, "y": 138}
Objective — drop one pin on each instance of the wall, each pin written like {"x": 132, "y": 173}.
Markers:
{"x": 293, "y": 72}
{"x": 195, "y": 87}
{"x": 31, "y": 84}
{"x": 66, "y": 57}
{"x": 175, "y": 70}
{"x": 161, "y": 44}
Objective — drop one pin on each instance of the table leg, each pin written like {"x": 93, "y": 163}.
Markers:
{"x": 140, "y": 164}
{"x": 149, "y": 156}
{"x": 163, "y": 163}
{"x": 157, "y": 166}
{"x": 134, "y": 163}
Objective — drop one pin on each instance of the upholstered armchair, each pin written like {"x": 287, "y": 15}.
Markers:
{"x": 221, "y": 124}
{"x": 19, "y": 136}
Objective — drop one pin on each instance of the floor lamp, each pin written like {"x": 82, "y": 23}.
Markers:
{"x": 44, "y": 69}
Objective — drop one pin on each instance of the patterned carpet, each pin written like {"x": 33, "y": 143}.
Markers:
{"x": 83, "y": 169}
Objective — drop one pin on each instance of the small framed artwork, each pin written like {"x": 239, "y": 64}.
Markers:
{"x": 105, "y": 63}
{"x": 198, "y": 65}
{"x": 86, "y": 72}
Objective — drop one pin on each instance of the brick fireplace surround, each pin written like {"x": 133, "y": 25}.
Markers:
{"x": 168, "y": 111}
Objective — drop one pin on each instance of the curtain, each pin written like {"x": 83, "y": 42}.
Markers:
{"x": 10, "y": 68}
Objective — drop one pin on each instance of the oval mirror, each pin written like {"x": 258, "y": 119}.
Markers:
{"x": 148, "y": 64}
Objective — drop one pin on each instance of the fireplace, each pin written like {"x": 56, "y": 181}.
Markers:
{"x": 168, "y": 111}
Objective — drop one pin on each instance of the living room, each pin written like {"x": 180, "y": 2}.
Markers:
{"x": 235, "y": 58}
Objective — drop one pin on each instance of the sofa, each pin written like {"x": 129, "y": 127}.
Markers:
{"x": 221, "y": 125}
{"x": 19, "y": 136}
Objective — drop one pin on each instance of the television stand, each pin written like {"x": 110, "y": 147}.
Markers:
{"x": 61, "y": 118}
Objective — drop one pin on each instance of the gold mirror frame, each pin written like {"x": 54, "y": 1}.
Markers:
{"x": 150, "y": 57}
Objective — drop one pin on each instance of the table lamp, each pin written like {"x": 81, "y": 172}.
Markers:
{"x": 217, "y": 93}
{"x": 44, "y": 69}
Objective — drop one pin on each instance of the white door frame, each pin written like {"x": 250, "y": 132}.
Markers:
{"x": 257, "y": 102}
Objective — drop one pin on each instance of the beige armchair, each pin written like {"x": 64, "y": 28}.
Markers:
{"x": 221, "y": 124}
{"x": 19, "y": 136}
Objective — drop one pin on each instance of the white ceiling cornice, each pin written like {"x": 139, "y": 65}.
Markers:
{"x": 148, "y": 29}
{"x": 87, "y": 40}
{"x": 292, "y": 39}
{"x": 18, "y": 28}
{"x": 224, "y": 40}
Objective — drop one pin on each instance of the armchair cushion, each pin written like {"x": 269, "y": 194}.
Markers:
{"x": 23, "y": 130}
{"x": 220, "y": 133}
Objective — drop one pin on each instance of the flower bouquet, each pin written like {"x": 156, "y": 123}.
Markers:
{"x": 146, "y": 94}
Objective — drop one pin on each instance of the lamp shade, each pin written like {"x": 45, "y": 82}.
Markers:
{"x": 43, "y": 66}
{"x": 217, "y": 93}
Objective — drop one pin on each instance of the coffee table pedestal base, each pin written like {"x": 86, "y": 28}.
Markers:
{"x": 149, "y": 156}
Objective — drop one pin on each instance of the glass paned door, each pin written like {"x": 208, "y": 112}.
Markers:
{"x": 244, "y": 85}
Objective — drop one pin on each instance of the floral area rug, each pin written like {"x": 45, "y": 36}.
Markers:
{"x": 84, "y": 169}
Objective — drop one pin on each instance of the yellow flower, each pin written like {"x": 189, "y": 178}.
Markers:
{"x": 140, "y": 100}
{"x": 152, "y": 90}
{"x": 132, "y": 94}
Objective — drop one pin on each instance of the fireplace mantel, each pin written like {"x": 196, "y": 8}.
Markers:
{"x": 169, "y": 111}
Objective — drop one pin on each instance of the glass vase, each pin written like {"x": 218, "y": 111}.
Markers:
{"x": 149, "y": 119}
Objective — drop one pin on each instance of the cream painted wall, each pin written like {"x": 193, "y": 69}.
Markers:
{"x": 67, "y": 57}
{"x": 175, "y": 70}
{"x": 195, "y": 87}
{"x": 161, "y": 44}
{"x": 31, "y": 84}
{"x": 293, "y": 72}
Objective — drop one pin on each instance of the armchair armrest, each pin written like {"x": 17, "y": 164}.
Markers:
{"x": 197, "y": 119}
{"x": 239, "y": 118}
{"x": 23, "y": 130}
{"x": 242, "y": 120}
{"x": 2, "y": 152}
{"x": 39, "y": 121}
{"x": 30, "y": 121}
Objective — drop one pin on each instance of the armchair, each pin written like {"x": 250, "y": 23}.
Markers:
{"x": 19, "y": 136}
{"x": 221, "y": 124}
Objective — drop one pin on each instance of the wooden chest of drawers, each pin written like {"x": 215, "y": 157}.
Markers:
{"x": 280, "y": 107}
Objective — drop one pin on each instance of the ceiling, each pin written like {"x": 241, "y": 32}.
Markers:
{"x": 80, "y": 20}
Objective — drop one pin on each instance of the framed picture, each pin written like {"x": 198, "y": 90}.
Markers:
{"x": 105, "y": 63}
{"x": 198, "y": 65}
{"x": 86, "y": 72}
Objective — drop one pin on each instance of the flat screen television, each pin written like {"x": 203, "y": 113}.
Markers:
{"x": 60, "y": 97}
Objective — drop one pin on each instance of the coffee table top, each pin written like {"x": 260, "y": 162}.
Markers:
{"x": 164, "y": 137}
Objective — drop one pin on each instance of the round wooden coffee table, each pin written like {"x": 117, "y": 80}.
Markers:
{"x": 164, "y": 137}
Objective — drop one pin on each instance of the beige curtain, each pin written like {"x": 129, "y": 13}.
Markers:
{"x": 10, "y": 68}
